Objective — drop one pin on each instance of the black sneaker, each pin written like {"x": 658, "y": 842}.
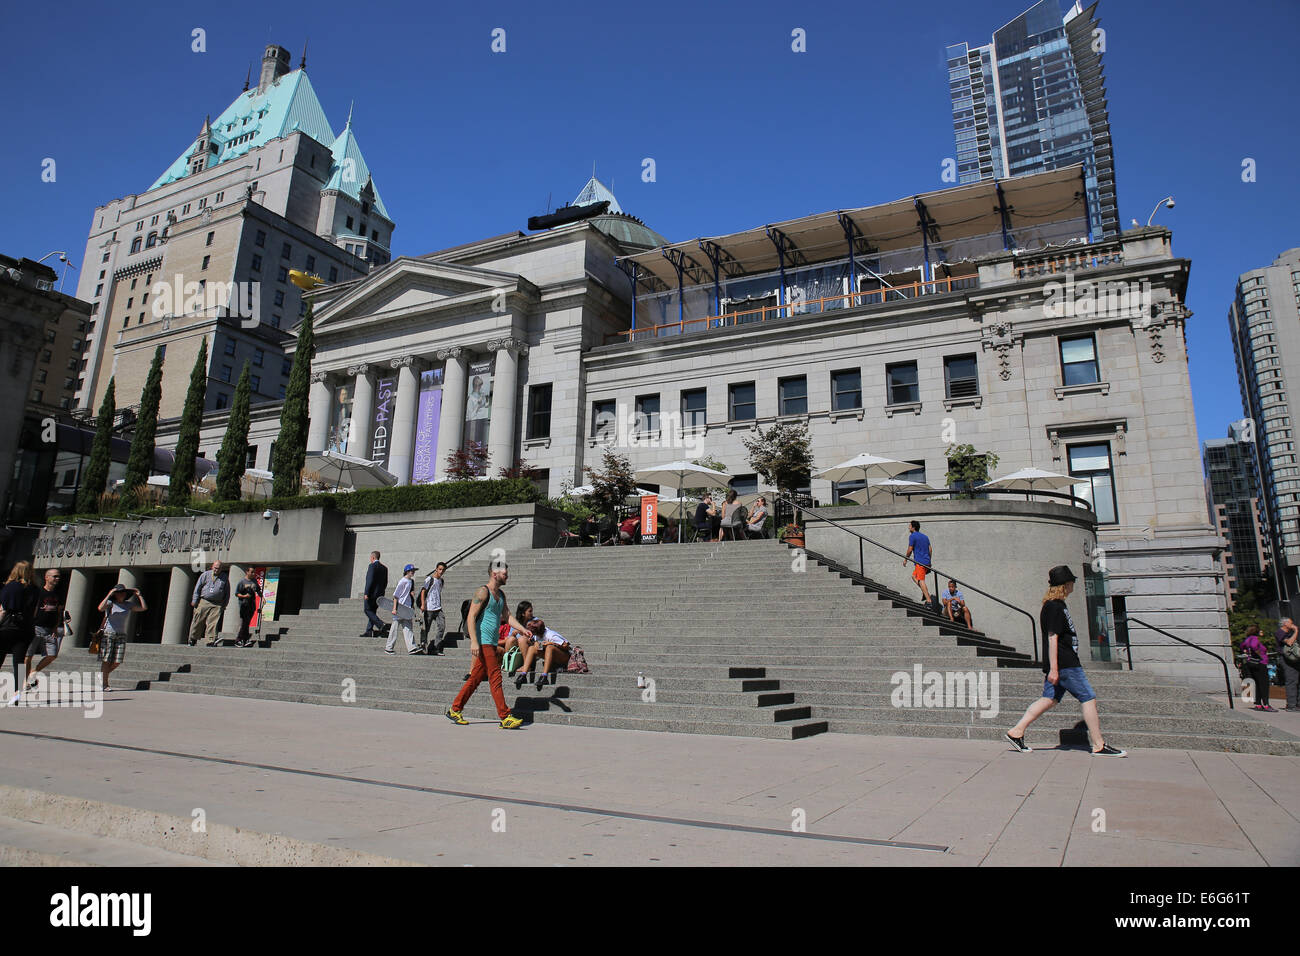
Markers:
{"x": 1108, "y": 751}
{"x": 1019, "y": 744}
{"x": 541, "y": 680}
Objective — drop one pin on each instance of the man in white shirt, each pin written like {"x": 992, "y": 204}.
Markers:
{"x": 404, "y": 613}
{"x": 431, "y": 605}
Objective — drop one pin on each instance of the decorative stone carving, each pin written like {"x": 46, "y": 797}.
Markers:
{"x": 320, "y": 377}
{"x": 1121, "y": 437}
{"x": 1055, "y": 439}
{"x": 403, "y": 361}
{"x": 358, "y": 369}
{"x": 1000, "y": 338}
{"x": 519, "y": 346}
{"x": 452, "y": 353}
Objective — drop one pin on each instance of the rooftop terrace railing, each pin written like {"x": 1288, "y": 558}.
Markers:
{"x": 1093, "y": 256}
{"x": 848, "y": 300}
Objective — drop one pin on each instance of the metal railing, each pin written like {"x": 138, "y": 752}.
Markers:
{"x": 1128, "y": 619}
{"x": 846, "y": 300}
{"x": 480, "y": 542}
{"x": 1033, "y": 625}
{"x": 1073, "y": 500}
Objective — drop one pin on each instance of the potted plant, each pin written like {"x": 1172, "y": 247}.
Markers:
{"x": 792, "y": 535}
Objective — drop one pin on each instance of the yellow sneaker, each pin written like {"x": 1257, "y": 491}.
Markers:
{"x": 456, "y": 717}
{"x": 511, "y": 723}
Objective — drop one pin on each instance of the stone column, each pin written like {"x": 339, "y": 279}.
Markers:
{"x": 318, "y": 429}
{"x": 451, "y": 422}
{"x": 80, "y": 604}
{"x": 129, "y": 579}
{"x": 176, "y": 625}
{"x": 363, "y": 412}
{"x": 402, "y": 449}
{"x": 505, "y": 380}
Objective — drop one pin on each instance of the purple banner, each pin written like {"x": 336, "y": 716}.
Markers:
{"x": 426, "y": 436}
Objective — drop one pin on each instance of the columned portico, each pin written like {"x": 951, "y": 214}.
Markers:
{"x": 404, "y": 412}
{"x": 318, "y": 429}
{"x": 451, "y": 422}
{"x": 501, "y": 436}
{"x": 179, "y": 591}
{"x": 363, "y": 412}
{"x": 79, "y": 603}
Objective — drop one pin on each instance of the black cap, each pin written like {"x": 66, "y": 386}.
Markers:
{"x": 1061, "y": 574}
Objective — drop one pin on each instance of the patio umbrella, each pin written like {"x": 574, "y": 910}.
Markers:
{"x": 864, "y": 467}
{"x": 1030, "y": 478}
{"x": 345, "y": 469}
{"x": 893, "y": 485}
{"x": 683, "y": 474}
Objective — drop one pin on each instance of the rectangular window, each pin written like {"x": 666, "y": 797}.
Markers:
{"x": 603, "y": 416}
{"x": 286, "y": 251}
{"x": 257, "y": 263}
{"x": 792, "y": 395}
{"x": 741, "y": 404}
{"x": 694, "y": 407}
{"x": 334, "y": 274}
{"x": 206, "y": 260}
{"x": 283, "y": 275}
{"x": 250, "y": 457}
{"x": 46, "y": 355}
{"x": 1091, "y": 464}
{"x": 311, "y": 263}
{"x": 275, "y": 321}
{"x": 281, "y": 390}
{"x": 1079, "y": 361}
{"x": 258, "y": 355}
{"x": 260, "y": 239}
{"x": 226, "y": 371}
{"x": 279, "y": 297}
{"x": 539, "y": 411}
{"x": 902, "y": 384}
{"x": 349, "y": 225}
{"x": 223, "y": 400}
{"x": 211, "y": 236}
{"x": 647, "y": 413}
{"x": 286, "y": 367}
{"x": 961, "y": 376}
{"x": 99, "y": 289}
{"x": 230, "y": 346}
{"x": 846, "y": 389}
{"x": 256, "y": 382}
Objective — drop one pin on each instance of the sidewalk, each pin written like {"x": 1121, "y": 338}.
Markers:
{"x": 420, "y": 788}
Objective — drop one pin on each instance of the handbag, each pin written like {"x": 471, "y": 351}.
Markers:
{"x": 97, "y": 637}
{"x": 512, "y": 661}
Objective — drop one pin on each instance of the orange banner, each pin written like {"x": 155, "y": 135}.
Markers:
{"x": 649, "y": 518}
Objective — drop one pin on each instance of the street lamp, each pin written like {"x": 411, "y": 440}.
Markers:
{"x": 1167, "y": 202}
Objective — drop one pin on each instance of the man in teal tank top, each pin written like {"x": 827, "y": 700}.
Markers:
{"x": 486, "y": 612}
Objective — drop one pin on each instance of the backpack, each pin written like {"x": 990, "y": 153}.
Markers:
{"x": 512, "y": 661}
{"x": 578, "y": 662}
{"x": 424, "y": 592}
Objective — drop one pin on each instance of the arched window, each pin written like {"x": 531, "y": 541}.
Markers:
{"x": 135, "y": 244}
{"x": 152, "y": 240}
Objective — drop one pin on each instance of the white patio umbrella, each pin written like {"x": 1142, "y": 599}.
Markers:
{"x": 683, "y": 474}
{"x": 345, "y": 469}
{"x": 1031, "y": 479}
{"x": 581, "y": 491}
{"x": 893, "y": 485}
{"x": 864, "y": 467}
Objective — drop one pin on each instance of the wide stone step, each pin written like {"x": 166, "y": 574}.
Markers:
{"x": 1112, "y": 720}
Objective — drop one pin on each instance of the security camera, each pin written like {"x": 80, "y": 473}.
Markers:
{"x": 266, "y": 515}
{"x": 1169, "y": 204}
{"x": 64, "y": 526}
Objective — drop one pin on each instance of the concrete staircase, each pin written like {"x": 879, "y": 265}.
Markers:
{"x": 732, "y": 639}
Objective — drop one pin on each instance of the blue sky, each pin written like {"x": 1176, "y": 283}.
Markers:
{"x": 465, "y": 143}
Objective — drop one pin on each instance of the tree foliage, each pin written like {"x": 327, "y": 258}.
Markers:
{"x": 470, "y": 462}
{"x": 95, "y": 478}
{"x": 968, "y": 467}
{"x": 782, "y": 455}
{"x": 232, "y": 459}
{"x": 187, "y": 441}
{"x": 291, "y": 443}
{"x": 613, "y": 483}
{"x": 140, "y": 462}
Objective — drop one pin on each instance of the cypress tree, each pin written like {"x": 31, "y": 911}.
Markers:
{"x": 291, "y": 444}
{"x": 95, "y": 476}
{"x": 187, "y": 442}
{"x": 232, "y": 459}
{"x": 140, "y": 462}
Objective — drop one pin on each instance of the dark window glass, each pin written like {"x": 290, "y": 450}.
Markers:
{"x": 334, "y": 274}
{"x": 260, "y": 239}
{"x": 539, "y": 411}
{"x": 741, "y": 403}
{"x": 230, "y": 346}
{"x": 223, "y": 400}
{"x": 257, "y": 263}
{"x": 961, "y": 376}
{"x": 286, "y": 251}
{"x": 311, "y": 263}
{"x": 792, "y": 394}
{"x": 647, "y": 413}
{"x": 694, "y": 407}
{"x": 1091, "y": 464}
{"x": 903, "y": 385}
{"x": 603, "y": 416}
{"x": 258, "y": 355}
{"x": 1079, "y": 361}
{"x": 846, "y": 389}
{"x": 211, "y": 235}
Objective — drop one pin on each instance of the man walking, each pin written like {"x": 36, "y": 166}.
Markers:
{"x": 248, "y": 593}
{"x": 49, "y": 625}
{"x": 211, "y": 595}
{"x": 918, "y": 548}
{"x": 376, "y": 588}
{"x": 403, "y": 613}
{"x": 1064, "y": 672}
{"x": 431, "y": 606}
{"x": 1286, "y": 635}
{"x": 487, "y": 610}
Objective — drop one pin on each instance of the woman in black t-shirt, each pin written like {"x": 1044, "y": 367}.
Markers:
{"x": 18, "y": 599}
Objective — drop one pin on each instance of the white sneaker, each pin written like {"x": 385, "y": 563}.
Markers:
{"x": 13, "y": 701}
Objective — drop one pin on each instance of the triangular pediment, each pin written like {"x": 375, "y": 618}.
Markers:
{"x": 410, "y": 286}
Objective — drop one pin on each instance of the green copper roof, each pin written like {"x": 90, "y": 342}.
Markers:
{"x": 255, "y": 118}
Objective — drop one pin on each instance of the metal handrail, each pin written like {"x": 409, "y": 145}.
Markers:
{"x": 1033, "y": 625}
{"x": 1074, "y": 500}
{"x": 483, "y": 540}
{"x": 1204, "y": 650}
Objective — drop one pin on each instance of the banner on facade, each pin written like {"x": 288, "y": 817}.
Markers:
{"x": 649, "y": 518}
{"x": 340, "y": 420}
{"x": 424, "y": 468}
{"x": 478, "y": 405}
{"x": 382, "y": 430}
{"x": 270, "y": 584}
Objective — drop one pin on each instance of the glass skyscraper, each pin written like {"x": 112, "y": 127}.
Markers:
{"x": 1035, "y": 99}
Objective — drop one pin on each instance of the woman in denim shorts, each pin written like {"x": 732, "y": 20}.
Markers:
{"x": 117, "y": 608}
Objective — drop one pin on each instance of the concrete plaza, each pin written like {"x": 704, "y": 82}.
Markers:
{"x": 417, "y": 788}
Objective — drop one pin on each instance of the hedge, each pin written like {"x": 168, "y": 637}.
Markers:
{"x": 370, "y": 501}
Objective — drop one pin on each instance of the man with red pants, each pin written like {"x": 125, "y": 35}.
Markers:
{"x": 487, "y": 612}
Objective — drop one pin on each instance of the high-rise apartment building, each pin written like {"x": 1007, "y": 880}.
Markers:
{"x": 1264, "y": 320}
{"x": 1034, "y": 99}
{"x": 1232, "y": 492}
{"x": 266, "y": 187}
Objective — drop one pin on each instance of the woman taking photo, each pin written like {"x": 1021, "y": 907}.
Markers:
{"x": 117, "y": 608}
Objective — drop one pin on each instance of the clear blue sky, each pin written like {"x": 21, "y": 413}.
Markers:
{"x": 465, "y": 143}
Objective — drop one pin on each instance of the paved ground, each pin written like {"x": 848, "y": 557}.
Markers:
{"x": 422, "y": 789}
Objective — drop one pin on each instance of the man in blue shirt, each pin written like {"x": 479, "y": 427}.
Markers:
{"x": 918, "y": 549}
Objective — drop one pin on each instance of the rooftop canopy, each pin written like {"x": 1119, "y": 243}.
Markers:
{"x": 1024, "y": 211}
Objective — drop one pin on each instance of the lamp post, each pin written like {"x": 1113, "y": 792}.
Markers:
{"x": 1167, "y": 202}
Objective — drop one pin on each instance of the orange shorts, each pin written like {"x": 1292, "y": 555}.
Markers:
{"x": 919, "y": 572}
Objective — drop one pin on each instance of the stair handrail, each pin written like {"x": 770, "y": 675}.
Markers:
{"x": 1033, "y": 625}
{"x": 481, "y": 541}
{"x": 1129, "y": 619}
